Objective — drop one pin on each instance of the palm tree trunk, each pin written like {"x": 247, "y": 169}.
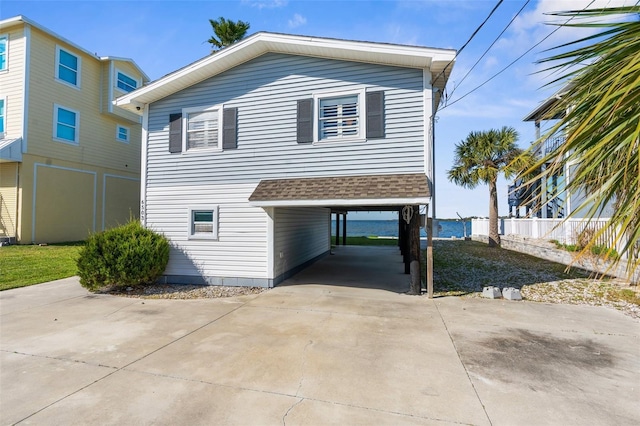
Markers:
{"x": 494, "y": 236}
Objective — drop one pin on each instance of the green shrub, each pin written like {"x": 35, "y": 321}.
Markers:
{"x": 124, "y": 256}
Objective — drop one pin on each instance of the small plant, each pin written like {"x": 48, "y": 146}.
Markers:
{"x": 605, "y": 252}
{"x": 128, "y": 255}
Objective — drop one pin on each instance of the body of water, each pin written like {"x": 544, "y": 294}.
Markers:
{"x": 389, "y": 228}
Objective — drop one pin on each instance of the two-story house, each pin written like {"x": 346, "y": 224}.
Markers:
{"x": 246, "y": 152}
{"x": 69, "y": 158}
{"x": 555, "y": 201}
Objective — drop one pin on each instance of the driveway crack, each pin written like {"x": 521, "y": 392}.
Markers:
{"x": 284, "y": 418}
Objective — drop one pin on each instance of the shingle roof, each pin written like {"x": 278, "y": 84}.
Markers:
{"x": 368, "y": 187}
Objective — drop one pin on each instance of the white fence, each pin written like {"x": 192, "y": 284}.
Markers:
{"x": 564, "y": 231}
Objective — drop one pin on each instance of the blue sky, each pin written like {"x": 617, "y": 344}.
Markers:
{"x": 162, "y": 36}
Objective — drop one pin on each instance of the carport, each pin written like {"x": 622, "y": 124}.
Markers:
{"x": 403, "y": 193}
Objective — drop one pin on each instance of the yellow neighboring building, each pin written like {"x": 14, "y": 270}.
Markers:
{"x": 69, "y": 158}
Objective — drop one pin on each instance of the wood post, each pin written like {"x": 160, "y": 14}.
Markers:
{"x": 414, "y": 238}
{"x": 344, "y": 230}
{"x": 406, "y": 244}
{"x": 400, "y": 232}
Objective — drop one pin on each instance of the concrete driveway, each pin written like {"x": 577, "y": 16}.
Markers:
{"x": 314, "y": 353}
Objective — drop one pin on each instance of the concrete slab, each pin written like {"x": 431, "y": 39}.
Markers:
{"x": 131, "y": 398}
{"x": 29, "y": 383}
{"x": 314, "y": 352}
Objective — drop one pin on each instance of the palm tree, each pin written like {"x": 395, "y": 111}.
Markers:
{"x": 603, "y": 135}
{"x": 480, "y": 158}
{"x": 227, "y": 32}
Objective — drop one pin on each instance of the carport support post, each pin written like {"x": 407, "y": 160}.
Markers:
{"x": 400, "y": 233}
{"x": 406, "y": 241}
{"x": 430, "y": 258}
{"x": 344, "y": 229}
{"x": 414, "y": 238}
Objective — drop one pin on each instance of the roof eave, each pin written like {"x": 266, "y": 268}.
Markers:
{"x": 261, "y": 43}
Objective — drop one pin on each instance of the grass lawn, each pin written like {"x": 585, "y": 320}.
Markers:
{"x": 21, "y": 266}
{"x": 367, "y": 241}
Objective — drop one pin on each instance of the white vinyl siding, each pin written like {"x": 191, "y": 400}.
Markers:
{"x": 65, "y": 124}
{"x": 301, "y": 234}
{"x": 4, "y": 49}
{"x": 241, "y": 247}
{"x": 68, "y": 67}
{"x": 201, "y": 128}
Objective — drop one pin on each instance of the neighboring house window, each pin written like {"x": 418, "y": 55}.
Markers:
{"x": 339, "y": 117}
{"x": 203, "y": 222}
{"x": 65, "y": 124}
{"x": 202, "y": 127}
{"x": 3, "y": 115}
{"x": 126, "y": 83}
{"x": 122, "y": 133}
{"x": 67, "y": 67}
{"x": 4, "y": 44}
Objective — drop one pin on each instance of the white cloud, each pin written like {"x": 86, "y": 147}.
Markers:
{"x": 297, "y": 21}
{"x": 266, "y": 4}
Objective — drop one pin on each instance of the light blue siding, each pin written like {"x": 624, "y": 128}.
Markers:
{"x": 265, "y": 91}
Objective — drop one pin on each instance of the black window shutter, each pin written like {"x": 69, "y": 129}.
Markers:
{"x": 229, "y": 128}
{"x": 375, "y": 115}
{"x": 305, "y": 121}
{"x": 175, "y": 133}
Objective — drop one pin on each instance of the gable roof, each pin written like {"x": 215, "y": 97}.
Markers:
{"x": 436, "y": 60}
{"x": 20, "y": 19}
{"x": 542, "y": 111}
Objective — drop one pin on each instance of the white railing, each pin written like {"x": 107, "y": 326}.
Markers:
{"x": 564, "y": 231}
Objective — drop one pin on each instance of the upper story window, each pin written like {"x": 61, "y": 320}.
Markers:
{"x": 65, "y": 124}
{"x": 354, "y": 116}
{"x": 202, "y": 128}
{"x": 67, "y": 67}
{"x": 3, "y": 116}
{"x": 126, "y": 83}
{"x": 339, "y": 117}
{"x": 122, "y": 133}
{"x": 4, "y": 44}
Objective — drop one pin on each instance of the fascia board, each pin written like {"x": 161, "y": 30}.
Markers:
{"x": 343, "y": 203}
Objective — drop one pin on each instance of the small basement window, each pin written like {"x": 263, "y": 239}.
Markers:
{"x": 203, "y": 223}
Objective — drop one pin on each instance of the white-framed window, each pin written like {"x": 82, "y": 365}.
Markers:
{"x": 203, "y": 222}
{"x": 201, "y": 128}
{"x": 3, "y": 116}
{"x": 4, "y": 50}
{"x": 339, "y": 116}
{"x": 68, "y": 67}
{"x": 125, "y": 82}
{"x": 65, "y": 124}
{"x": 122, "y": 133}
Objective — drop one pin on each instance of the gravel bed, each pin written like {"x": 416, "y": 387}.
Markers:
{"x": 180, "y": 291}
{"x": 463, "y": 268}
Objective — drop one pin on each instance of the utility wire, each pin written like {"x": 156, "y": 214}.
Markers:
{"x": 468, "y": 41}
{"x": 515, "y": 60}
{"x": 489, "y": 48}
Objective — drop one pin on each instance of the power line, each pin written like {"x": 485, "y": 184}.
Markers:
{"x": 469, "y": 40}
{"x": 515, "y": 60}
{"x": 489, "y": 48}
